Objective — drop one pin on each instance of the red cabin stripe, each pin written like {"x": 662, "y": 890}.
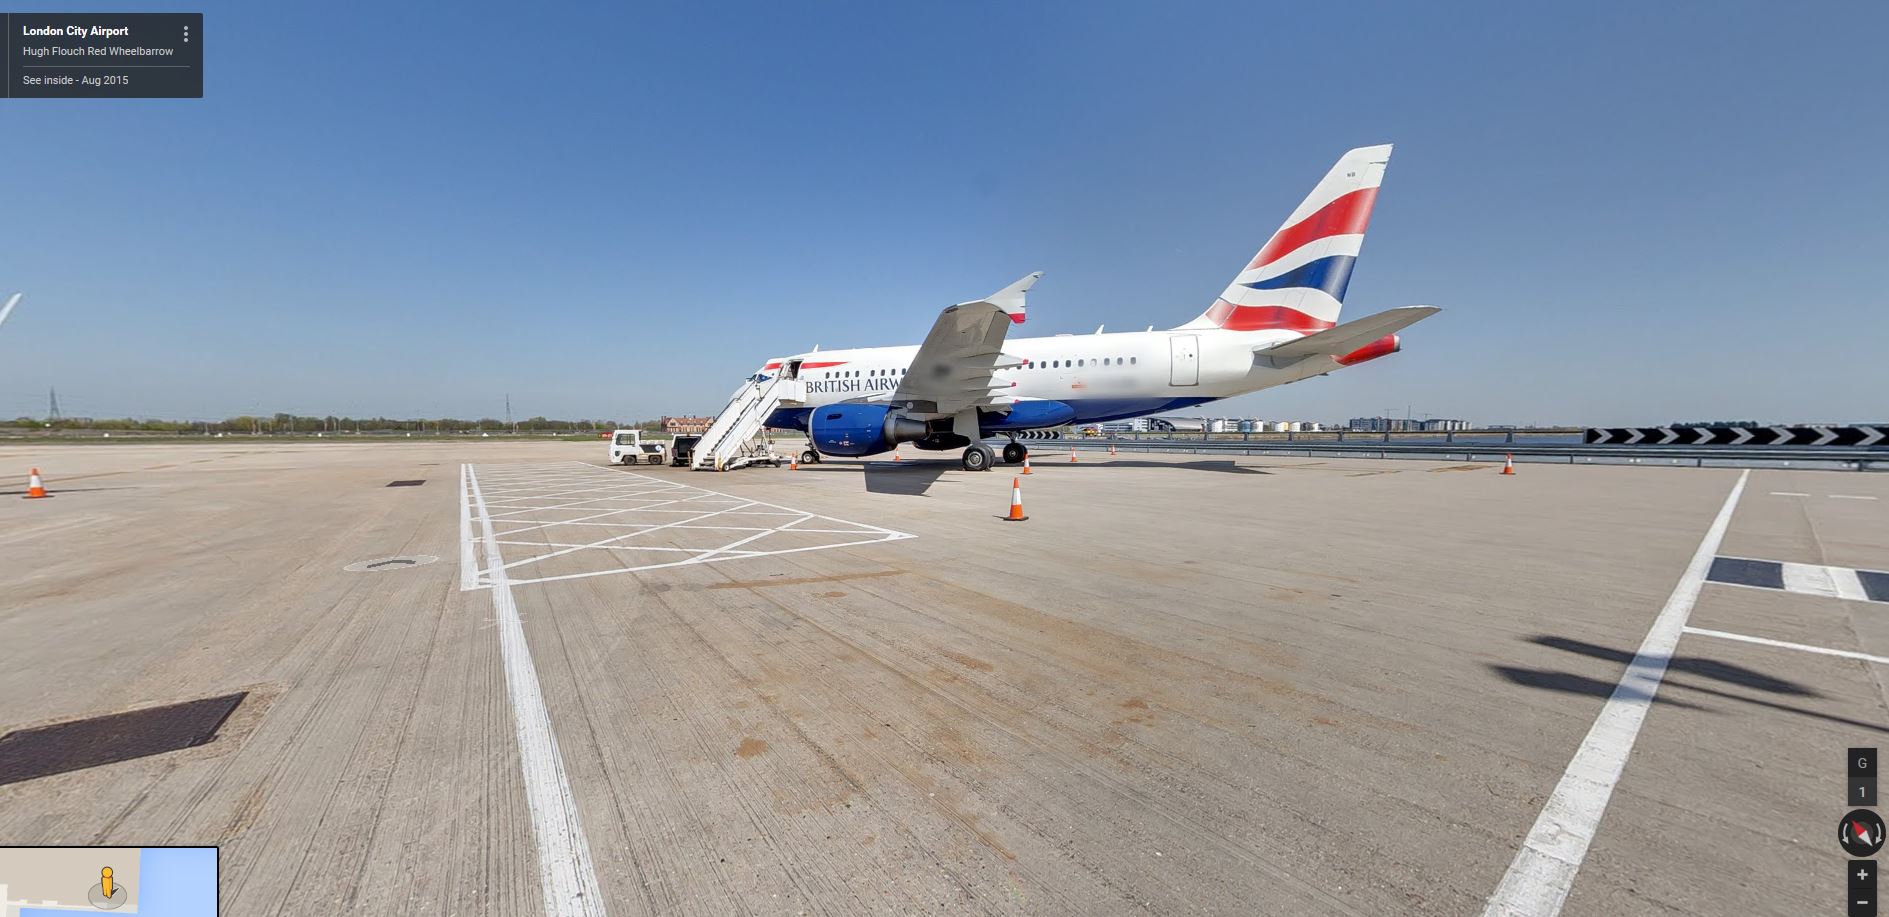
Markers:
{"x": 1348, "y": 214}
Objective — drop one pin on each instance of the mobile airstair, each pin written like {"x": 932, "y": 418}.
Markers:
{"x": 738, "y": 437}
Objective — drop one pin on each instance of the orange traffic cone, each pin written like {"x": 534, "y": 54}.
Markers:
{"x": 1111, "y": 448}
{"x": 35, "y": 488}
{"x": 895, "y": 457}
{"x": 1072, "y": 455}
{"x": 1026, "y": 463}
{"x": 793, "y": 465}
{"x": 1508, "y": 464}
{"x": 1016, "y": 501}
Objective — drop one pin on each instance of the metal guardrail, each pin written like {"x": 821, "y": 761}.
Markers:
{"x": 1815, "y": 458}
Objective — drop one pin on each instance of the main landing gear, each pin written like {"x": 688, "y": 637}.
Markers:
{"x": 810, "y": 457}
{"x": 979, "y": 458}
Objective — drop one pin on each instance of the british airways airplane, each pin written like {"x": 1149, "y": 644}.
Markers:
{"x": 1277, "y": 322}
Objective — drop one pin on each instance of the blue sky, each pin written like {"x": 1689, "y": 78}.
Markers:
{"x": 1640, "y": 213}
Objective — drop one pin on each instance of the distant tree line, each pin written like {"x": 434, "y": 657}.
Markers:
{"x": 296, "y": 423}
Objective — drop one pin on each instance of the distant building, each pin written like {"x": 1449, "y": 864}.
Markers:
{"x": 1403, "y": 424}
{"x": 1177, "y": 424}
{"x": 686, "y": 426}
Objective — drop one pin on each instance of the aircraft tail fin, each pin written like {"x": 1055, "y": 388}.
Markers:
{"x": 1297, "y": 281}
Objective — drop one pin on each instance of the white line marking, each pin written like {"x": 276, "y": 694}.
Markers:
{"x": 1850, "y": 497}
{"x": 1849, "y": 584}
{"x": 689, "y": 509}
{"x": 565, "y": 872}
{"x": 696, "y": 560}
{"x": 1543, "y": 871}
{"x": 1780, "y": 644}
{"x": 468, "y": 564}
{"x": 1842, "y": 582}
{"x": 1814, "y": 579}
{"x": 1787, "y": 493}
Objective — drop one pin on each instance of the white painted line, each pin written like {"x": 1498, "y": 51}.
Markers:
{"x": 1849, "y": 584}
{"x": 565, "y": 872}
{"x": 1543, "y": 871}
{"x": 576, "y": 490}
{"x": 468, "y": 564}
{"x": 1817, "y": 579}
{"x": 1780, "y": 644}
{"x": 1813, "y": 579}
{"x": 696, "y": 560}
{"x": 1850, "y": 497}
{"x": 1787, "y": 493}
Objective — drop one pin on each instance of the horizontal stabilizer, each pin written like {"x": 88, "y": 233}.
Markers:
{"x": 1343, "y": 339}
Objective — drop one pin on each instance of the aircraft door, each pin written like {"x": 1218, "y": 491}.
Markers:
{"x": 1186, "y": 353}
{"x": 791, "y": 370}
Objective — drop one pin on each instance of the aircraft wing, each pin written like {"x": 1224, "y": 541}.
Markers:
{"x": 1343, "y": 339}
{"x": 953, "y": 368}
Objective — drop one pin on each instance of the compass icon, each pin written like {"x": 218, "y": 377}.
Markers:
{"x": 1860, "y": 833}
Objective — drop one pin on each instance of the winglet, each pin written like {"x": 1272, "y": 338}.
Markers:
{"x": 1009, "y": 300}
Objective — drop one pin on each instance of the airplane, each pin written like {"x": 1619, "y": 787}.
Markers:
{"x": 1276, "y": 323}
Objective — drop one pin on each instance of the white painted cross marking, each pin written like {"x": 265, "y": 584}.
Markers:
{"x": 613, "y": 513}
{"x": 1543, "y": 871}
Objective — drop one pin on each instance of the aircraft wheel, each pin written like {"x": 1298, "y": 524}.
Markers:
{"x": 809, "y": 457}
{"x": 979, "y": 458}
{"x": 1014, "y": 453}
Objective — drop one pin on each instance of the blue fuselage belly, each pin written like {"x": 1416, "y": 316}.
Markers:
{"x": 1087, "y": 410}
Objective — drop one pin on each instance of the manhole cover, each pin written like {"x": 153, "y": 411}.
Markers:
{"x": 26, "y": 754}
{"x": 407, "y": 483}
{"x": 383, "y": 564}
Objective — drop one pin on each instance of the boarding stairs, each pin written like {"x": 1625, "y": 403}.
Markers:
{"x": 738, "y": 437}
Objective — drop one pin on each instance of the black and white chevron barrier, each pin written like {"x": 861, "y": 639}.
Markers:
{"x": 1040, "y": 434}
{"x": 1739, "y": 436}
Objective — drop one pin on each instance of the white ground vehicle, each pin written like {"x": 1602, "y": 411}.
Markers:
{"x": 628, "y": 447}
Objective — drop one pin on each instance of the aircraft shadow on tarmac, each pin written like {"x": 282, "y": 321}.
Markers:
{"x": 914, "y": 478}
{"x": 1690, "y": 666}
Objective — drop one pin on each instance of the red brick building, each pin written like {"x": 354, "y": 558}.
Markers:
{"x": 693, "y": 426}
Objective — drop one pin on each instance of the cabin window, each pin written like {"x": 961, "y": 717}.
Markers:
{"x": 1079, "y": 362}
{"x": 1131, "y": 361}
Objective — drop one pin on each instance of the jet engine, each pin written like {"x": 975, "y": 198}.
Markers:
{"x": 860, "y": 429}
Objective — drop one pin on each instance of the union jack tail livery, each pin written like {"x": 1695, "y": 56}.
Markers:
{"x": 1297, "y": 281}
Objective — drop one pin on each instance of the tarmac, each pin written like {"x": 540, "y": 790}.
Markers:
{"x": 1187, "y": 685}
